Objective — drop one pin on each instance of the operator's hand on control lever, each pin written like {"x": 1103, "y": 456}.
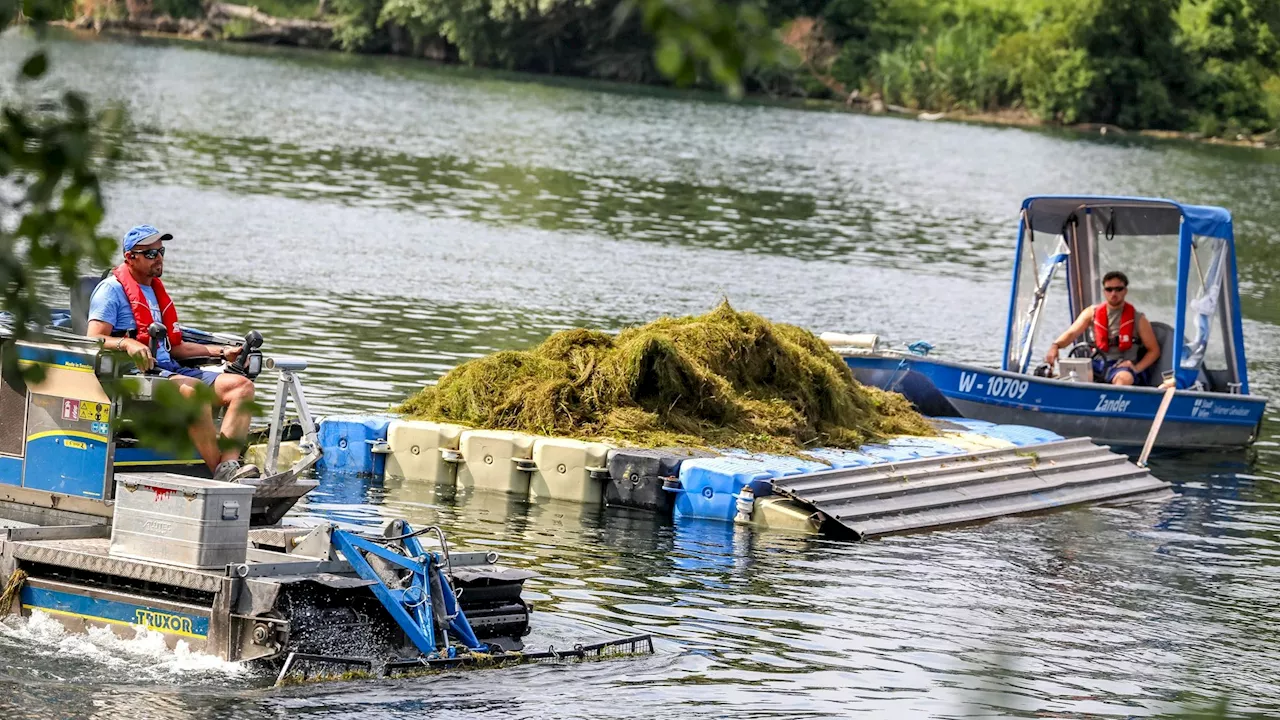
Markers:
{"x": 140, "y": 353}
{"x": 231, "y": 352}
{"x": 1051, "y": 357}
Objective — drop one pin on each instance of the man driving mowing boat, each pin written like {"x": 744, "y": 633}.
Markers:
{"x": 1112, "y": 337}
{"x": 121, "y": 309}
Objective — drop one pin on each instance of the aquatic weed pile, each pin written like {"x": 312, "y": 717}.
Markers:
{"x": 726, "y": 378}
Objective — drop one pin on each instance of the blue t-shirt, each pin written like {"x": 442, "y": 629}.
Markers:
{"x": 110, "y": 305}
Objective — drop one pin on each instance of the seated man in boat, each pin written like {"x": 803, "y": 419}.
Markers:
{"x": 125, "y": 304}
{"x": 1116, "y": 348}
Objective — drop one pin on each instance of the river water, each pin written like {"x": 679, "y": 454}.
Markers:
{"x": 387, "y": 219}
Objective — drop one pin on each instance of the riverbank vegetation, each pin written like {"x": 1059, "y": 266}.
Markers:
{"x": 1204, "y": 66}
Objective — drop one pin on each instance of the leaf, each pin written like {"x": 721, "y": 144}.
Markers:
{"x": 35, "y": 66}
{"x": 669, "y": 57}
{"x": 76, "y": 104}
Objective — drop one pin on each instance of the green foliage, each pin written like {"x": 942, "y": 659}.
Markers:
{"x": 167, "y": 410}
{"x": 722, "y": 38}
{"x": 54, "y": 150}
{"x": 1271, "y": 99}
{"x": 279, "y": 8}
{"x": 689, "y": 41}
{"x": 1234, "y": 46}
{"x": 1109, "y": 61}
{"x": 356, "y": 23}
{"x": 954, "y": 69}
{"x": 511, "y": 34}
{"x": 1052, "y": 78}
{"x": 866, "y": 29}
{"x": 178, "y": 8}
{"x": 38, "y": 13}
{"x": 238, "y": 28}
{"x": 1207, "y": 64}
{"x": 52, "y": 153}
{"x": 1231, "y": 94}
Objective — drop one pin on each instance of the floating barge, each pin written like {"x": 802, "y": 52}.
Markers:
{"x": 972, "y": 471}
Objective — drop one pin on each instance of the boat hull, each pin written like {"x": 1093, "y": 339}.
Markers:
{"x": 1108, "y": 414}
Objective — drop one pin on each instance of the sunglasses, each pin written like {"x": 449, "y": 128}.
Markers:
{"x": 1118, "y": 288}
{"x": 150, "y": 254}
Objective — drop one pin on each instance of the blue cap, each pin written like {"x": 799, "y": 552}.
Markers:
{"x": 142, "y": 235}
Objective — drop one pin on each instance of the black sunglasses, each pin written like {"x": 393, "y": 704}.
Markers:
{"x": 1109, "y": 289}
{"x": 150, "y": 254}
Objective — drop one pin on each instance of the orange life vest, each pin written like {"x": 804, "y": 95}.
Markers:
{"x": 1102, "y": 328}
{"x": 142, "y": 311}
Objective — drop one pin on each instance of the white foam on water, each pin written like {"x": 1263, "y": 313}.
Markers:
{"x": 145, "y": 656}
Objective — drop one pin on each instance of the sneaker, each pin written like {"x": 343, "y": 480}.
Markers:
{"x": 234, "y": 471}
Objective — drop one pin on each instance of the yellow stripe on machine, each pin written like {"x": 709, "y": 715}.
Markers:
{"x": 56, "y": 366}
{"x": 67, "y": 433}
{"x": 138, "y": 463}
{"x": 112, "y": 621}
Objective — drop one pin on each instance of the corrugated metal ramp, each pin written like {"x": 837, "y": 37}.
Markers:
{"x": 932, "y": 492}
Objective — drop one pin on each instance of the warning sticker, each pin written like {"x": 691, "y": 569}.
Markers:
{"x": 95, "y": 411}
{"x": 84, "y": 410}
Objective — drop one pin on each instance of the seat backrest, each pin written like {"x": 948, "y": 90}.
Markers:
{"x": 1164, "y": 338}
{"x": 81, "y": 292}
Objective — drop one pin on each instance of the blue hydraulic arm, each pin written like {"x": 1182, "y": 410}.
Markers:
{"x": 411, "y": 605}
{"x": 457, "y": 619}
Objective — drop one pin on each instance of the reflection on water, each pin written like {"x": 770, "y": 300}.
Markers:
{"x": 386, "y": 220}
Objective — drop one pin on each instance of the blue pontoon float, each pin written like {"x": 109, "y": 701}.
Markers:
{"x": 1181, "y": 263}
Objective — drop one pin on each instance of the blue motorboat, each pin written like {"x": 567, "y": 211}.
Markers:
{"x": 1181, "y": 263}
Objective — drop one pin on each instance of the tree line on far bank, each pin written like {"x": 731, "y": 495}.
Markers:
{"x": 1206, "y": 66}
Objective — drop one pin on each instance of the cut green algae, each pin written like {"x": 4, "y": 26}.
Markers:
{"x": 725, "y": 379}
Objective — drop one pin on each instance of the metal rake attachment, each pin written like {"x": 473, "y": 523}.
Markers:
{"x": 333, "y": 667}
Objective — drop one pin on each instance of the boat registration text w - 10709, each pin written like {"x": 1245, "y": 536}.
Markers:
{"x": 994, "y": 386}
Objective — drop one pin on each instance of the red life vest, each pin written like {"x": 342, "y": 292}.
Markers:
{"x": 1102, "y": 328}
{"x": 142, "y": 311}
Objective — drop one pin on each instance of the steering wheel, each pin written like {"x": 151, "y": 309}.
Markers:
{"x": 1082, "y": 350}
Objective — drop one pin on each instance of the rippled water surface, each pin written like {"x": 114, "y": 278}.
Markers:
{"x": 386, "y": 220}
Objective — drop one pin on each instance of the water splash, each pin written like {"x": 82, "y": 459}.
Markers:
{"x": 145, "y": 656}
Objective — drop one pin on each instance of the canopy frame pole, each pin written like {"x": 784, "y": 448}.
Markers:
{"x": 1037, "y": 308}
{"x": 1024, "y": 227}
{"x": 1183, "y": 378}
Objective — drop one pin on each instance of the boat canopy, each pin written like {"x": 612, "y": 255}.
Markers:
{"x": 1181, "y": 264}
{"x": 1129, "y": 216}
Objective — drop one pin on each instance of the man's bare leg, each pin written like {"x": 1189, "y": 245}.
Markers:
{"x": 203, "y": 435}
{"x": 236, "y": 393}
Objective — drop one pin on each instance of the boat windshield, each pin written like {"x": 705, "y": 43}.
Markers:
{"x": 1040, "y": 297}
